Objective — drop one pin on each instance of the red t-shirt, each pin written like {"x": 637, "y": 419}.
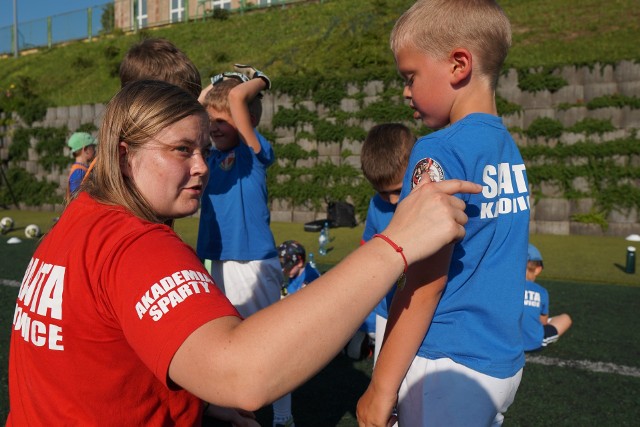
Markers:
{"x": 105, "y": 303}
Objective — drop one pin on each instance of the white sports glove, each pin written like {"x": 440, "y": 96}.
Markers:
{"x": 228, "y": 75}
{"x": 252, "y": 73}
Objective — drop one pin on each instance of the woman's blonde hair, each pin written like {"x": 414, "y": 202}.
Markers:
{"x": 437, "y": 27}
{"x": 135, "y": 115}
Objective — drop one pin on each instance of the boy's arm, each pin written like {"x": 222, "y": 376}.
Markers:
{"x": 239, "y": 99}
{"x": 410, "y": 315}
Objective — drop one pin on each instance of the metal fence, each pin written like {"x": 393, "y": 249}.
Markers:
{"x": 46, "y": 32}
{"x": 88, "y": 23}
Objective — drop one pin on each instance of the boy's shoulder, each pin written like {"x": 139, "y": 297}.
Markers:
{"x": 476, "y": 131}
{"x": 377, "y": 203}
{"x": 530, "y": 284}
{"x": 472, "y": 122}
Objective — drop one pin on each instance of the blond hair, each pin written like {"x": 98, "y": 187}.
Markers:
{"x": 218, "y": 98}
{"x": 436, "y": 27}
{"x": 135, "y": 115}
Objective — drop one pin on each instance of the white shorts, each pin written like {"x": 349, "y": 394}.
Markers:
{"x": 249, "y": 285}
{"x": 381, "y": 325}
{"x": 442, "y": 392}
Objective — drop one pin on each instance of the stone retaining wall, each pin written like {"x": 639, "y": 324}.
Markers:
{"x": 550, "y": 214}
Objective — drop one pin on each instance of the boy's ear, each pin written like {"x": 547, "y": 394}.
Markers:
{"x": 461, "y": 61}
{"x": 123, "y": 150}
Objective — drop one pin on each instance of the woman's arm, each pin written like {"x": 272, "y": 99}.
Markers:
{"x": 239, "y": 363}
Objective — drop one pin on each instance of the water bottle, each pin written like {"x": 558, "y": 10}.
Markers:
{"x": 631, "y": 260}
{"x": 323, "y": 241}
{"x": 312, "y": 261}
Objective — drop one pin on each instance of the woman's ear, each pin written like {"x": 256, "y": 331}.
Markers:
{"x": 123, "y": 151}
{"x": 461, "y": 61}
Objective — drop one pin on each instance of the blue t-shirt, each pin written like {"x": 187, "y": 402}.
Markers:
{"x": 76, "y": 177}
{"x": 379, "y": 216}
{"x": 536, "y": 303}
{"x": 308, "y": 275}
{"x": 477, "y": 322}
{"x": 234, "y": 215}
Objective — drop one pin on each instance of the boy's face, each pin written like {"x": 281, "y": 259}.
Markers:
{"x": 390, "y": 193}
{"x": 533, "y": 270}
{"x": 427, "y": 86}
{"x": 222, "y": 129}
{"x": 296, "y": 270}
{"x": 89, "y": 153}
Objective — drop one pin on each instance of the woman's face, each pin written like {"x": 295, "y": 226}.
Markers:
{"x": 170, "y": 170}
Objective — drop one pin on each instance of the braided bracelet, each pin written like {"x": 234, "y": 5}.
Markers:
{"x": 403, "y": 277}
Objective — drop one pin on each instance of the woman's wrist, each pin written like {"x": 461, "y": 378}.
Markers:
{"x": 403, "y": 276}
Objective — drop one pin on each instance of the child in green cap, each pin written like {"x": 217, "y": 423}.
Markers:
{"x": 83, "y": 148}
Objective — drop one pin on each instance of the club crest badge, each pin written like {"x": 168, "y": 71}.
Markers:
{"x": 427, "y": 169}
{"x": 228, "y": 162}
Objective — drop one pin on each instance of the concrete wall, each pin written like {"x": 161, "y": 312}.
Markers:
{"x": 550, "y": 213}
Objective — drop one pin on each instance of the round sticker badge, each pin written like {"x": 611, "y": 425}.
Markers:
{"x": 428, "y": 168}
{"x": 228, "y": 161}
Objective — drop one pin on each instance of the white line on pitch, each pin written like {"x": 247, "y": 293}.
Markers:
{"x": 14, "y": 283}
{"x": 609, "y": 368}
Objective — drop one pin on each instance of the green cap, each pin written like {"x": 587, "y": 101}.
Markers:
{"x": 79, "y": 140}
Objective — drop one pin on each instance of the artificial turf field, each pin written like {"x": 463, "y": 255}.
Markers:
{"x": 592, "y": 375}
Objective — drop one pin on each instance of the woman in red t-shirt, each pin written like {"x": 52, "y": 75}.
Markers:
{"x": 117, "y": 322}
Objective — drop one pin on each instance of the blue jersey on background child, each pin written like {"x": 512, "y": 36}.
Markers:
{"x": 536, "y": 303}
{"x": 236, "y": 196}
{"x": 308, "y": 275}
{"x": 379, "y": 215}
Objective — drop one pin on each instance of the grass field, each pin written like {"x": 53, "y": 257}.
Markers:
{"x": 584, "y": 278}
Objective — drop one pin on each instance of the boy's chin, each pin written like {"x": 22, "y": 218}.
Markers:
{"x": 225, "y": 146}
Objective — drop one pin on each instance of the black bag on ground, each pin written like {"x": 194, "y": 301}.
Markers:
{"x": 339, "y": 214}
{"x": 342, "y": 214}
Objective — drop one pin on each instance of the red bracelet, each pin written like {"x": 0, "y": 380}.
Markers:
{"x": 403, "y": 276}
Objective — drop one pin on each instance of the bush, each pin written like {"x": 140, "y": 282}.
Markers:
{"x": 27, "y": 189}
{"x": 22, "y": 99}
{"x": 545, "y": 127}
{"x": 536, "y": 82}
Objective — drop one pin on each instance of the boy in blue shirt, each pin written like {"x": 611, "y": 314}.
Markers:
{"x": 453, "y": 351}
{"x": 83, "y": 148}
{"x": 297, "y": 272}
{"x": 234, "y": 236}
{"x": 538, "y": 329}
{"x": 384, "y": 159}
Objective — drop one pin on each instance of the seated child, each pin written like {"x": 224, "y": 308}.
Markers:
{"x": 297, "y": 274}
{"x": 538, "y": 329}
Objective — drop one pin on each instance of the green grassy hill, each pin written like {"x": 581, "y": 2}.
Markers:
{"x": 346, "y": 40}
